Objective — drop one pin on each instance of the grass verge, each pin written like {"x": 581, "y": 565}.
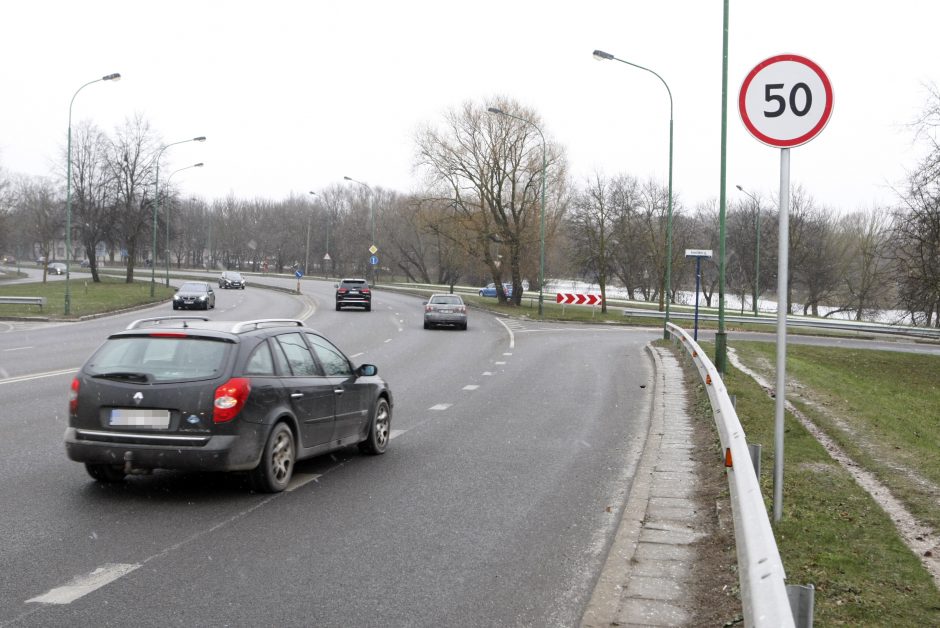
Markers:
{"x": 86, "y": 297}
{"x": 832, "y": 533}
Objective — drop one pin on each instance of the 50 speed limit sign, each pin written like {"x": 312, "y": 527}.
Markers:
{"x": 785, "y": 100}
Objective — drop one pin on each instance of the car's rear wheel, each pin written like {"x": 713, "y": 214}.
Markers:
{"x": 379, "y": 430}
{"x": 427, "y": 325}
{"x": 369, "y": 308}
{"x": 105, "y": 473}
{"x": 338, "y": 307}
{"x": 274, "y": 471}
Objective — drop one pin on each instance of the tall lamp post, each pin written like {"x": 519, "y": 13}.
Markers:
{"x": 756, "y": 248}
{"x": 68, "y": 193}
{"x": 542, "y": 211}
{"x": 156, "y": 208}
{"x": 372, "y": 213}
{"x": 307, "y": 252}
{"x": 600, "y": 55}
{"x": 199, "y": 165}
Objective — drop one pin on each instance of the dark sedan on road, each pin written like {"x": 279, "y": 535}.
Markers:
{"x": 194, "y": 295}
{"x": 187, "y": 393}
{"x": 231, "y": 279}
{"x": 56, "y": 268}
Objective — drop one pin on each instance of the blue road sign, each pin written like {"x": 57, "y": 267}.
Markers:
{"x": 373, "y": 260}
{"x": 298, "y": 274}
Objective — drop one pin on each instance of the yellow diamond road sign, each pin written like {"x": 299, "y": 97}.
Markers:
{"x": 373, "y": 249}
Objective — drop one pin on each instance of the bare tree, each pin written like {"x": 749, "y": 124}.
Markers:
{"x": 490, "y": 167}
{"x": 92, "y": 191}
{"x": 42, "y": 211}
{"x": 868, "y": 274}
{"x": 592, "y": 222}
{"x": 131, "y": 162}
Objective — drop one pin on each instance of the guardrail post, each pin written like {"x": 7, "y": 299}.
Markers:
{"x": 802, "y": 601}
{"x": 755, "y": 449}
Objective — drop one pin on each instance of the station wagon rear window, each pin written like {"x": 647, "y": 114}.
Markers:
{"x": 149, "y": 359}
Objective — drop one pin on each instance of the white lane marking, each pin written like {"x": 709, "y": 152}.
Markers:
{"x": 499, "y": 363}
{"x": 512, "y": 336}
{"x": 395, "y": 434}
{"x": 470, "y": 387}
{"x": 17, "y": 349}
{"x": 26, "y": 378}
{"x": 487, "y": 374}
{"x": 356, "y": 355}
{"x": 389, "y": 340}
{"x": 83, "y": 585}
{"x": 441, "y": 406}
{"x": 507, "y": 354}
{"x": 300, "y": 479}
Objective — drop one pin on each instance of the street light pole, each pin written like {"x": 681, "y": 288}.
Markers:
{"x": 199, "y": 165}
{"x": 371, "y": 213}
{"x": 156, "y": 208}
{"x": 600, "y": 55}
{"x": 68, "y": 193}
{"x": 756, "y": 249}
{"x": 542, "y": 210}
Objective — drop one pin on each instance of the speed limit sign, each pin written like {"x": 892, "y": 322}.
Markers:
{"x": 785, "y": 100}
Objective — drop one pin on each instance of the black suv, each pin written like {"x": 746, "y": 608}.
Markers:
{"x": 231, "y": 279}
{"x": 353, "y": 292}
{"x": 188, "y": 393}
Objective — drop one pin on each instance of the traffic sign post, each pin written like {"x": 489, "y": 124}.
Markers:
{"x": 698, "y": 254}
{"x": 785, "y": 101}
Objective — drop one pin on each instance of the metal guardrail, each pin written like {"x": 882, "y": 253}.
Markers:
{"x": 800, "y": 321}
{"x": 40, "y": 301}
{"x": 764, "y": 595}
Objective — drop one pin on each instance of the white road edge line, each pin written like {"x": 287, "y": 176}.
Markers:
{"x": 83, "y": 585}
{"x": 441, "y": 406}
{"x": 26, "y": 378}
{"x": 512, "y": 336}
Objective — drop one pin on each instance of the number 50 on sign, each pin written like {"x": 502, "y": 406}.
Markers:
{"x": 785, "y": 101}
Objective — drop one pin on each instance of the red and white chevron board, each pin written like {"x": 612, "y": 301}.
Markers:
{"x": 578, "y": 299}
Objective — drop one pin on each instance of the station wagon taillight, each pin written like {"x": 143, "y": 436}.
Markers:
{"x": 73, "y": 397}
{"x": 230, "y": 398}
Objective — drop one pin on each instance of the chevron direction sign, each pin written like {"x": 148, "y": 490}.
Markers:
{"x": 578, "y": 299}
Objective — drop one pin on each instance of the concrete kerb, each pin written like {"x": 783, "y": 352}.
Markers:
{"x": 646, "y": 575}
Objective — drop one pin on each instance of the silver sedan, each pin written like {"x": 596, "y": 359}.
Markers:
{"x": 445, "y": 309}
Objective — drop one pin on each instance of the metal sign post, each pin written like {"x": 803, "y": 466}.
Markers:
{"x": 785, "y": 101}
{"x": 698, "y": 254}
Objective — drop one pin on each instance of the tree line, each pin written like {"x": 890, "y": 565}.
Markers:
{"x": 495, "y": 198}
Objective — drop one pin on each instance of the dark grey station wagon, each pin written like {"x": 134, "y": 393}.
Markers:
{"x": 188, "y": 393}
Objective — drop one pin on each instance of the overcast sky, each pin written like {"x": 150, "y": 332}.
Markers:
{"x": 293, "y": 95}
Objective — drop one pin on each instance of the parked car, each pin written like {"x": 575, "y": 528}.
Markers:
{"x": 56, "y": 268}
{"x": 9, "y": 259}
{"x": 232, "y": 279}
{"x": 489, "y": 290}
{"x": 194, "y": 295}
{"x": 445, "y": 309}
{"x": 353, "y": 292}
{"x": 187, "y": 393}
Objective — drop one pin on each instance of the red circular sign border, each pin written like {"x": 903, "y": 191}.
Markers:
{"x": 827, "y": 86}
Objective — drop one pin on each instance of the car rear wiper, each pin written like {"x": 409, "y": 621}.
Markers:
{"x": 143, "y": 378}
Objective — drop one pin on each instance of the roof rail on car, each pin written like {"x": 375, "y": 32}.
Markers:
{"x": 161, "y": 319}
{"x": 265, "y": 322}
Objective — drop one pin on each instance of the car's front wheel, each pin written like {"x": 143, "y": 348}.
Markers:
{"x": 379, "y": 429}
{"x": 276, "y": 468}
{"x": 105, "y": 473}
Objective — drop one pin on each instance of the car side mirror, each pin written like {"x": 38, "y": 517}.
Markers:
{"x": 367, "y": 370}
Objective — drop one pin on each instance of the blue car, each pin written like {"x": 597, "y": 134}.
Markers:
{"x": 490, "y": 290}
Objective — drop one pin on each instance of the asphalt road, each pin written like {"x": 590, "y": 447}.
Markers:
{"x": 514, "y": 445}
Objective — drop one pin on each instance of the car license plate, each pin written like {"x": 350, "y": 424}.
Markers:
{"x": 138, "y": 417}
{"x": 445, "y": 311}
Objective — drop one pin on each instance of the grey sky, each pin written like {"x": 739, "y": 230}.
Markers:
{"x": 294, "y": 95}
